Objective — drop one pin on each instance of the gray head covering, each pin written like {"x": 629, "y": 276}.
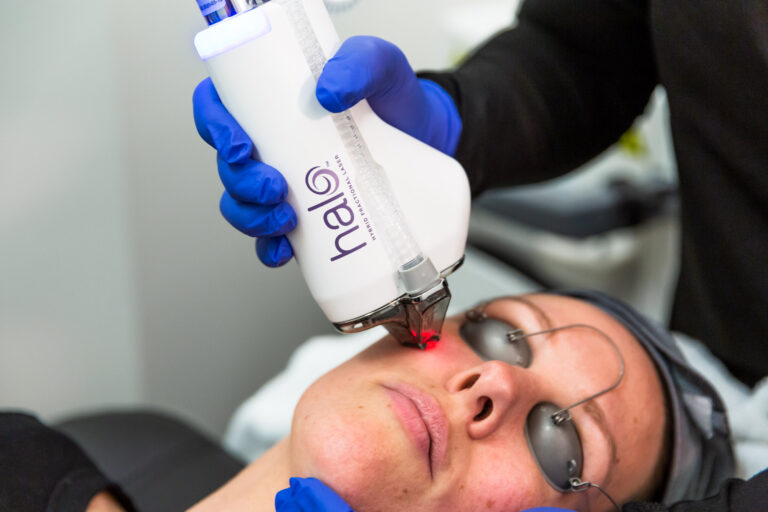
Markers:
{"x": 701, "y": 457}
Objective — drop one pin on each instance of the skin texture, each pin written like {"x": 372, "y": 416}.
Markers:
{"x": 346, "y": 431}
{"x": 104, "y": 502}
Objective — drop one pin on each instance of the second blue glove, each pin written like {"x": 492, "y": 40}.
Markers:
{"x": 309, "y": 495}
{"x": 547, "y": 509}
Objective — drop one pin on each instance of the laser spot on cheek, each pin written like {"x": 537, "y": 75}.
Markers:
{"x": 461, "y": 488}
{"x": 490, "y": 504}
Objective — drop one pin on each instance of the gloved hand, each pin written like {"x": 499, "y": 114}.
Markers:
{"x": 309, "y": 495}
{"x": 547, "y": 509}
{"x": 375, "y": 69}
{"x": 254, "y": 199}
{"x": 364, "y": 67}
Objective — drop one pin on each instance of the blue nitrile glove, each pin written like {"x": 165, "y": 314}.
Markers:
{"x": 309, "y": 495}
{"x": 372, "y": 68}
{"x": 254, "y": 199}
{"x": 548, "y": 509}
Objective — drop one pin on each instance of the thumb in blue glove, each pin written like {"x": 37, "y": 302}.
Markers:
{"x": 367, "y": 67}
{"x": 309, "y": 495}
{"x": 548, "y": 509}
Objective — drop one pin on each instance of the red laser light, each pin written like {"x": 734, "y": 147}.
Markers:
{"x": 428, "y": 338}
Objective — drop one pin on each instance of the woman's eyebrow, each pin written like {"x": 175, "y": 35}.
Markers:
{"x": 597, "y": 413}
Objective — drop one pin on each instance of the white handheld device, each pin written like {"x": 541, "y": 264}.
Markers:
{"x": 382, "y": 217}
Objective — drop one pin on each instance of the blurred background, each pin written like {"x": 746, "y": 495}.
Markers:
{"x": 120, "y": 283}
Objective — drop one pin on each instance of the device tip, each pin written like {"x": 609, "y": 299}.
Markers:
{"x": 422, "y": 322}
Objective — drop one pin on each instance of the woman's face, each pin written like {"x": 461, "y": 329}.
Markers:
{"x": 398, "y": 429}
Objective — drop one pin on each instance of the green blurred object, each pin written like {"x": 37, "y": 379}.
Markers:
{"x": 633, "y": 143}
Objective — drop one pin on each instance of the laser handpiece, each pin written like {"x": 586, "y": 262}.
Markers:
{"x": 418, "y": 292}
{"x": 415, "y": 318}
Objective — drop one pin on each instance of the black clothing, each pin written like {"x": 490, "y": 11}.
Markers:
{"x": 735, "y": 495}
{"x": 159, "y": 463}
{"x": 43, "y": 470}
{"x": 542, "y": 98}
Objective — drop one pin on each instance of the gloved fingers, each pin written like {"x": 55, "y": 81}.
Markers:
{"x": 548, "y": 509}
{"x": 364, "y": 67}
{"x": 274, "y": 251}
{"x": 311, "y": 492}
{"x": 284, "y": 503}
{"x": 310, "y": 495}
{"x": 258, "y": 220}
{"x": 252, "y": 181}
{"x": 217, "y": 127}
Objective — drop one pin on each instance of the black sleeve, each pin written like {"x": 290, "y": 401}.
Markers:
{"x": 43, "y": 470}
{"x": 735, "y": 496}
{"x": 542, "y": 98}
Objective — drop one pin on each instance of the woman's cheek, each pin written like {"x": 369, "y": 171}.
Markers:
{"x": 357, "y": 450}
{"x": 502, "y": 487}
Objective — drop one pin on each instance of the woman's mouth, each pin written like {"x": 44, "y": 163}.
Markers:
{"x": 423, "y": 420}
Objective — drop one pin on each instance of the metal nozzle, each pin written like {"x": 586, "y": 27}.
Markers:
{"x": 414, "y": 319}
{"x": 420, "y": 318}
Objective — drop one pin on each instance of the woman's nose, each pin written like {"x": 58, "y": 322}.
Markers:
{"x": 486, "y": 395}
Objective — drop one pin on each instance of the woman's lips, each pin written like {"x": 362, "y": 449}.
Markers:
{"x": 423, "y": 419}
